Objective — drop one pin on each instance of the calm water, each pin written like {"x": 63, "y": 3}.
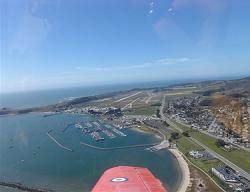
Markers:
{"x": 36, "y": 160}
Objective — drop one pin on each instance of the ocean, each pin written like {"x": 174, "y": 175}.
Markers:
{"x": 45, "y": 97}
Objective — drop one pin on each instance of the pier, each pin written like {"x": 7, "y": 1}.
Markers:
{"x": 119, "y": 132}
{"x": 96, "y": 136}
{"x": 57, "y": 142}
{"x": 109, "y": 134}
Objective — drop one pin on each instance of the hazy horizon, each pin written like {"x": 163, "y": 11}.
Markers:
{"x": 137, "y": 84}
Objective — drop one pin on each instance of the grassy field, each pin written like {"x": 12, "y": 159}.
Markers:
{"x": 144, "y": 110}
{"x": 185, "y": 145}
{"x": 147, "y": 129}
{"x": 238, "y": 156}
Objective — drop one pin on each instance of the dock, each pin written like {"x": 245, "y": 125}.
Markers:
{"x": 119, "y": 132}
{"x": 89, "y": 125}
{"x": 109, "y": 134}
{"x": 57, "y": 142}
{"x": 96, "y": 123}
{"x": 78, "y": 125}
{"x": 96, "y": 136}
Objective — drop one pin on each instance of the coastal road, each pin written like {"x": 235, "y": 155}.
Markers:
{"x": 223, "y": 159}
{"x": 217, "y": 137}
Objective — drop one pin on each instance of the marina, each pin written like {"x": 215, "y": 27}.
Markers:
{"x": 96, "y": 136}
{"x": 109, "y": 134}
{"x": 119, "y": 132}
{"x": 115, "y": 130}
{"x": 95, "y": 130}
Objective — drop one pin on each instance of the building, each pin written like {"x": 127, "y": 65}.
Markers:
{"x": 224, "y": 173}
{"x": 195, "y": 154}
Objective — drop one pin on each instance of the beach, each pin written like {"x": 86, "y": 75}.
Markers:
{"x": 185, "y": 178}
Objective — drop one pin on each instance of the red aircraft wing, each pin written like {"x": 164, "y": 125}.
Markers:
{"x": 128, "y": 179}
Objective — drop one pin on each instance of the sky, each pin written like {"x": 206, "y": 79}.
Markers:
{"x": 49, "y": 44}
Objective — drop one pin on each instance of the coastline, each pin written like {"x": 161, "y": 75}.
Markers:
{"x": 183, "y": 165}
{"x": 185, "y": 173}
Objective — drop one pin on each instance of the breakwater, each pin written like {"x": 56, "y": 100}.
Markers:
{"x": 20, "y": 186}
{"x": 57, "y": 142}
{"x": 120, "y": 147}
{"x": 65, "y": 129}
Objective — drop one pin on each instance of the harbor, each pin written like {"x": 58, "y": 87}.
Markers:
{"x": 88, "y": 162}
{"x": 99, "y": 131}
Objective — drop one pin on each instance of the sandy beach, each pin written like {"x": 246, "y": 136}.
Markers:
{"x": 185, "y": 180}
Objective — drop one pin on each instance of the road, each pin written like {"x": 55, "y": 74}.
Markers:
{"x": 223, "y": 159}
{"x": 164, "y": 118}
{"x": 217, "y": 137}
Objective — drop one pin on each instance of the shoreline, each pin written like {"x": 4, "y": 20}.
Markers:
{"x": 185, "y": 173}
{"x": 184, "y": 182}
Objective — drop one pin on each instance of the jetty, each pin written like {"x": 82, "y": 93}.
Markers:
{"x": 164, "y": 144}
{"x": 48, "y": 114}
{"x": 57, "y": 142}
{"x": 21, "y": 187}
{"x": 65, "y": 129}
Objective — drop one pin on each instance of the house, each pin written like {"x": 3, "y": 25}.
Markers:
{"x": 195, "y": 154}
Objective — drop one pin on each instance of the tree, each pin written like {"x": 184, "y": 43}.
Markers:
{"x": 175, "y": 135}
{"x": 158, "y": 113}
{"x": 186, "y": 134}
{"x": 220, "y": 143}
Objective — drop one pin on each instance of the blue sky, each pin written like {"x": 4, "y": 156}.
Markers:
{"x": 61, "y": 43}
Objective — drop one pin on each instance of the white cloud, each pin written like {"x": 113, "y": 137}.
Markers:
{"x": 151, "y": 7}
{"x": 158, "y": 62}
{"x": 172, "y": 61}
{"x": 145, "y": 65}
